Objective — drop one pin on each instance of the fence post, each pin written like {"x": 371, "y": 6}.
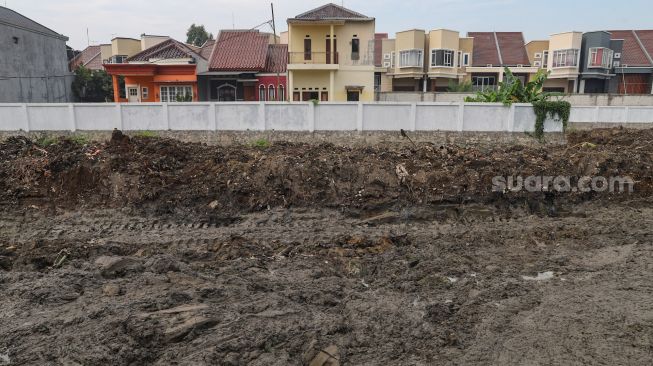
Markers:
{"x": 461, "y": 116}
{"x": 626, "y": 112}
{"x": 311, "y": 117}
{"x": 119, "y": 116}
{"x": 413, "y": 117}
{"x": 26, "y": 112}
{"x": 166, "y": 116}
{"x": 212, "y": 119}
{"x": 596, "y": 114}
{"x": 511, "y": 119}
{"x": 261, "y": 116}
{"x": 359, "y": 117}
{"x": 73, "y": 119}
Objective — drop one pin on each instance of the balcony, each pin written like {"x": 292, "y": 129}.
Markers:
{"x": 322, "y": 60}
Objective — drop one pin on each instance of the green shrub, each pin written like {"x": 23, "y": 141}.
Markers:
{"x": 262, "y": 143}
{"x": 146, "y": 134}
{"x": 45, "y": 141}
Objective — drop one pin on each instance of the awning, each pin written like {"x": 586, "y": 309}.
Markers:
{"x": 354, "y": 87}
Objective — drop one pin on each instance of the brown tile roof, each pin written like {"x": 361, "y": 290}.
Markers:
{"x": 207, "y": 48}
{"x": 90, "y": 58}
{"x": 632, "y": 53}
{"x": 240, "y": 50}
{"x": 485, "y": 49}
{"x": 170, "y": 49}
{"x": 331, "y": 12}
{"x": 511, "y": 50}
{"x": 646, "y": 37}
{"x": 277, "y": 58}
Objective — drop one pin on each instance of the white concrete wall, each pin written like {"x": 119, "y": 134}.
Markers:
{"x": 440, "y": 116}
{"x": 643, "y": 100}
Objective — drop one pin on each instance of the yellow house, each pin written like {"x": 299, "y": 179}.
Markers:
{"x": 449, "y": 57}
{"x": 331, "y": 55}
{"x": 560, "y": 55}
{"x": 407, "y": 60}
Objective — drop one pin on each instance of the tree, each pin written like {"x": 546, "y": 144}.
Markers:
{"x": 197, "y": 35}
{"x": 92, "y": 85}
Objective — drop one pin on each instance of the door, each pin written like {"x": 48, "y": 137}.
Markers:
{"x": 132, "y": 94}
{"x": 226, "y": 93}
{"x": 328, "y": 50}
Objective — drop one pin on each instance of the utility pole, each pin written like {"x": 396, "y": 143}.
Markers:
{"x": 274, "y": 31}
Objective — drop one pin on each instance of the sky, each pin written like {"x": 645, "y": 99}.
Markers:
{"x": 106, "y": 19}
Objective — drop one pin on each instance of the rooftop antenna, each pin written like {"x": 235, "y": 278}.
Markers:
{"x": 276, "y": 42}
{"x": 88, "y": 39}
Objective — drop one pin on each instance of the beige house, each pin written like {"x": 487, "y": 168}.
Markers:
{"x": 121, "y": 48}
{"x": 560, "y": 56}
{"x": 449, "y": 57}
{"x": 331, "y": 55}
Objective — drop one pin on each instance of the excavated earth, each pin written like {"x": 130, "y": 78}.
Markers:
{"x": 143, "y": 250}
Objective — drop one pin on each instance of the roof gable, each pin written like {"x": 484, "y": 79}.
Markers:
{"x": 240, "y": 50}
{"x": 485, "y": 49}
{"x": 632, "y": 53}
{"x": 277, "y": 58}
{"x": 11, "y": 17}
{"x": 89, "y": 58}
{"x": 513, "y": 48}
{"x": 166, "y": 50}
{"x": 499, "y": 49}
{"x": 331, "y": 12}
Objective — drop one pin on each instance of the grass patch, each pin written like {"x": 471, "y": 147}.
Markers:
{"x": 261, "y": 143}
{"x": 79, "y": 139}
{"x": 45, "y": 141}
{"x": 146, "y": 134}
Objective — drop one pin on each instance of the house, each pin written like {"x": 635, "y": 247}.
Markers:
{"x": 634, "y": 67}
{"x": 245, "y": 65}
{"x": 33, "y": 62}
{"x": 122, "y": 48}
{"x": 449, "y": 57}
{"x": 90, "y": 58}
{"x": 560, "y": 57}
{"x": 407, "y": 59}
{"x": 598, "y": 54}
{"x": 331, "y": 55}
{"x": 494, "y": 51}
{"x": 165, "y": 72}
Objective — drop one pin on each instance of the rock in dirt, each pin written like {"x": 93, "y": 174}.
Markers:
{"x": 178, "y": 332}
{"x": 543, "y": 276}
{"x": 111, "y": 290}
{"x": 327, "y": 357}
{"x": 116, "y": 266}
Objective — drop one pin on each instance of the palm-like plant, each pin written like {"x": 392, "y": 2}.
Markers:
{"x": 511, "y": 90}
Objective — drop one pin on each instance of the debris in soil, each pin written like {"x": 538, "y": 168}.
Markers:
{"x": 152, "y": 251}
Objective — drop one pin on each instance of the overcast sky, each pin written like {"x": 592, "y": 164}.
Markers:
{"x": 537, "y": 19}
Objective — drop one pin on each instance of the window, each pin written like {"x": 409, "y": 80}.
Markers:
{"x": 118, "y": 59}
{"x": 146, "y": 93}
{"x": 355, "y": 49}
{"x": 466, "y": 59}
{"x": 617, "y": 55}
{"x": 393, "y": 61}
{"x": 226, "y": 93}
{"x": 600, "y": 57}
{"x": 442, "y": 58}
{"x": 133, "y": 92}
{"x": 307, "y": 49}
{"x": 261, "y": 93}
{"x": 271, "y": 93}
{"x": 565, "y": 58}
{"x": 353, "y": 96}
{"x": 411, "y": 58}
{"x": 538, "y": 55}
{"x": 460, "y": 59}
{"x": 177, "y": 93}
{"x": 545, "y": 59}
{"x": 481, "y": 83}
{"x": 282, "y": 93}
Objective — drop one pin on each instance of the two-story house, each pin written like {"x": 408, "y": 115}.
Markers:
{"x": 407, "y": 61}
{"x": 494, "y": 51}
{"x": 449, "y": 57}
{"x": 560, "y": 56}
{"x": 331, "y": 55}
{"x": 598, "y": 54}
{"x": 634, "y": 68}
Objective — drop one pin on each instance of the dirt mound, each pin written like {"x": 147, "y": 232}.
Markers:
{"x": 164, "y": 176}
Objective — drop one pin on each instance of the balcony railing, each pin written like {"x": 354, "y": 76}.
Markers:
{"x": 325, "y": 58}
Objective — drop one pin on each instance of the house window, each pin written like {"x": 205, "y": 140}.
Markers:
{"x": 460, "y": 59}
{"x": 261, "y": 93}
{"x": 545, "y": 59}
{"x": 466, "y": 59}
{"x": 353, "y": 96}
{"x": 481, "y": 83}
{"x": 600, "y": 57}
{"x": 271, "y": 93}
{"x": 538, "y": 55}
{"x": 393, "y": 60}
{"x": 176, "y": 93}
{"x": 565, "y": 58}
{"x": 145, "y": 93}
{"x": 442, "y": 58}
{"x": 307, "y": 49}
{"x": 355, "y": 49}
{"x": 282, "y": 93}
{"x": 411, "y": 58}
{"x": 118, "y": 59}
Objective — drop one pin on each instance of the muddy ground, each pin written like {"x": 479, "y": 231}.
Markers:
{"x": 150, "y": 251}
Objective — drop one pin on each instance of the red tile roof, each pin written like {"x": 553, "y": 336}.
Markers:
{"x": 485, "y": 49}
{"x": 331, "y": 12}
{"x": 240, "y": 50}
{"x": 646, "y": 36}
{"x": 632, "y": 53}
{"x": 170, "y": 49}
{"x": 207, "y": 48}
{"x": 511, "y": 50}
{"x": 277, "y": 58}
{"x": 90, "y": 58}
